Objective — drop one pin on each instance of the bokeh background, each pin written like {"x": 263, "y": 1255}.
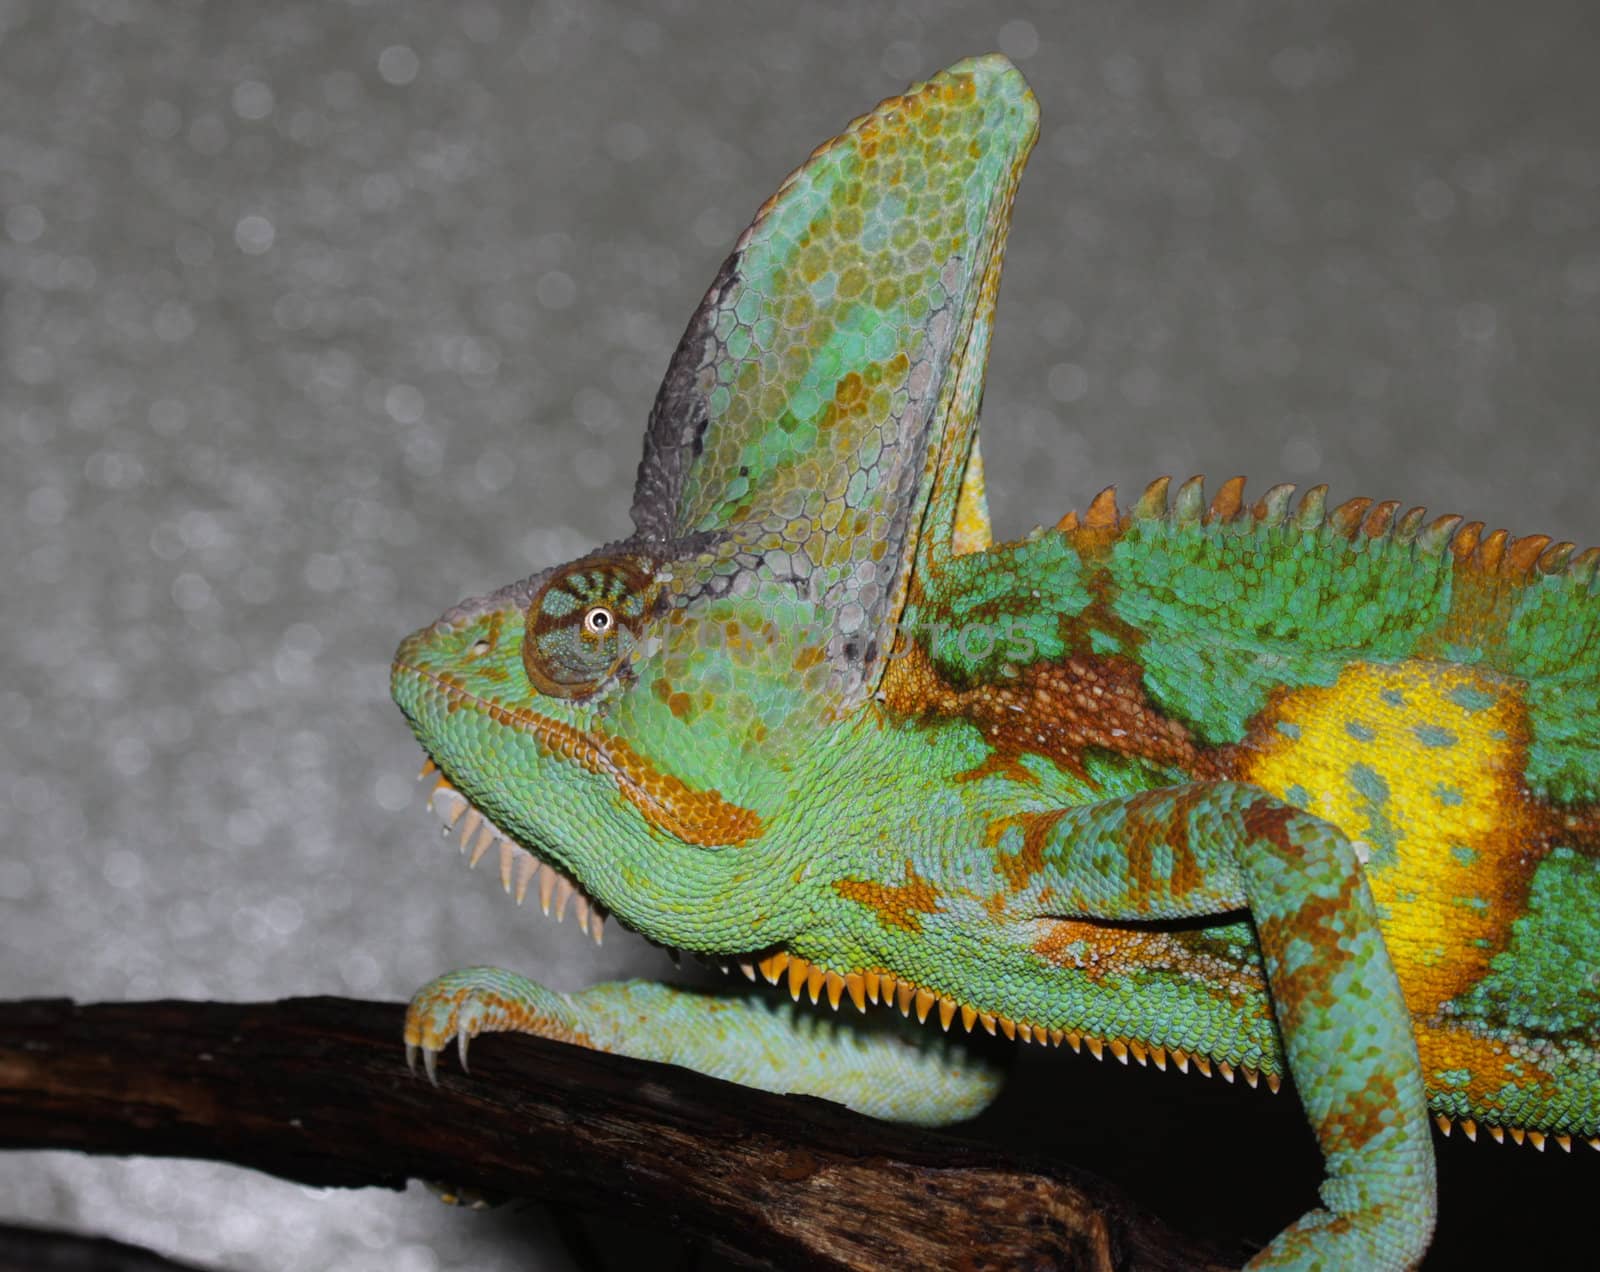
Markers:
{"x": 316, "y": 317}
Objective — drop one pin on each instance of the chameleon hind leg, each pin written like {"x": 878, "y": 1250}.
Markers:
{"x": 1208, "y": 848}
{"x": 872, "y": 1067}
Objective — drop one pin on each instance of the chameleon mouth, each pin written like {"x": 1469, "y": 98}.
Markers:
{"x": 519, "y": 868}
{"x": 699, "y": 817}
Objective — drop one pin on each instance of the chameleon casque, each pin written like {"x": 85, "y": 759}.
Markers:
{"x": 1277, "y": 789}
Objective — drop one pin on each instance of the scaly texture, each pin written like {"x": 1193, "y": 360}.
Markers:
{"x": 810, "y": 721}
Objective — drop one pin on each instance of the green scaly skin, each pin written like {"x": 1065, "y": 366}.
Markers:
{"x": 809, "y": 719}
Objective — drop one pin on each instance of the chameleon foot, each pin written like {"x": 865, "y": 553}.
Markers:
{"x": 462, "y": 1004}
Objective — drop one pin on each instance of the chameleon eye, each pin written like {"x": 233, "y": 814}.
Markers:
{"x": 583, "y": 623}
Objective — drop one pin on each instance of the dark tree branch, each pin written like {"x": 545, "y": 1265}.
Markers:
{"x": 314, "y": 1090}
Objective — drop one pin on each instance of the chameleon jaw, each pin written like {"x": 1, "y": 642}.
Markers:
{"x": 699, "y": 817}
{"x": 519, "y": 867}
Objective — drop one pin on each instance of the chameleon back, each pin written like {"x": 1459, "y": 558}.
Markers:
{"x": 1428, "y": 688}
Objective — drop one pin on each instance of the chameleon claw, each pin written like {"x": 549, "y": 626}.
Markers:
{"x": 462, "y": 1039}
{"x": 411, "y": 1058}
{"x": 430, "y": 1064}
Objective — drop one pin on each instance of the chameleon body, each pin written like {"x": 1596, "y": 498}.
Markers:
{"x": 1273, "y": 789}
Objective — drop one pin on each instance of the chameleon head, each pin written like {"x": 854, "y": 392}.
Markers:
{"x": 629, "y": 724}
{"x": 659, "y": 719}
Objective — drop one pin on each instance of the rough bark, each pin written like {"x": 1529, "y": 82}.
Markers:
{"x": 314, "y": 1090}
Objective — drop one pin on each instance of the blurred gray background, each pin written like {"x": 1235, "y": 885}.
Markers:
{"x": 317, "y": 317}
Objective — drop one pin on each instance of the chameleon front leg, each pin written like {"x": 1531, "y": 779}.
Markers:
{"x": 1212, "y": 847}
{"x": 872, "y": 1066}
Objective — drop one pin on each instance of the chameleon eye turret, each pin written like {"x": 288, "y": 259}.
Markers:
{"x": 583, "y": 623}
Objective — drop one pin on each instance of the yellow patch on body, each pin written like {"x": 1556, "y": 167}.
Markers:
{"x": 1422, "y": 764}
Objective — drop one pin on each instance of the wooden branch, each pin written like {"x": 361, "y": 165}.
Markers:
{"x": 315, "y": 1090}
